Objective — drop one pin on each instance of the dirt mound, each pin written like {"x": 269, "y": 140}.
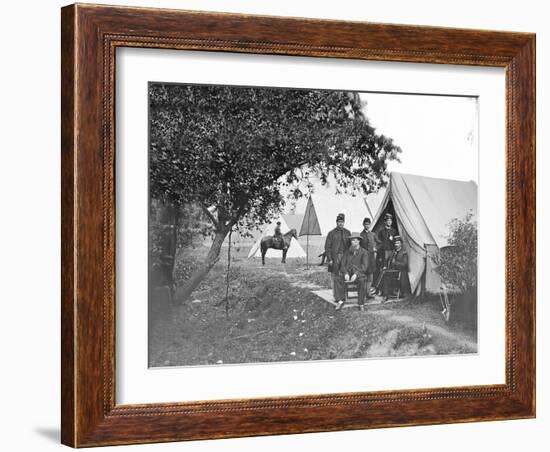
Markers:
{"x": 274, "y": 316}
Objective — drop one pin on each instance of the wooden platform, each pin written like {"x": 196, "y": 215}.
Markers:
{"x": 326, "y": 295}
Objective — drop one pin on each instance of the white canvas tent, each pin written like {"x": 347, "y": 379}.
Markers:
{"x": 423, "y": 208}
{"x": 295, "y": 249}
{"x": 374, "y": 200}
{"x": 294, "y": 220}
{"x": 322, "y": 209}
{"x": 320, "y": 217}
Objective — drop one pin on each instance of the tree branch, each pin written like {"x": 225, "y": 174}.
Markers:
{"x": 235, "y": 217}
{"x": 210, "y": 215}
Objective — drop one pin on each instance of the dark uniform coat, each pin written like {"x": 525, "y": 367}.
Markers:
{"x": 385, "y": 247}
{"x": 370, "y": 244}
{"x": 335, "y": 246}
{"x": 278, "y": 238}
{"x": 355, "y": 262}
{"x": 385, "y": 238}
{"x": 400, "y": 261}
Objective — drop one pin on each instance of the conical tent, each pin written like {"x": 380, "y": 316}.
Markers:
{"x": 294, "y": 220}
{"x": 295, "y": 250}
{"x": 423, "y": 208}
{"x": 322, "y": 209}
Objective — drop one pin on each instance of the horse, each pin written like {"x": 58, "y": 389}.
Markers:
{"x": 270, "y": 242}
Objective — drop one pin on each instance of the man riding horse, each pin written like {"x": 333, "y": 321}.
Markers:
{"x": 277, "y": 234}
{"x": 277, "y": 241}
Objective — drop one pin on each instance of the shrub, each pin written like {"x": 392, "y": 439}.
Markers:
{"x": 458, "y": 261}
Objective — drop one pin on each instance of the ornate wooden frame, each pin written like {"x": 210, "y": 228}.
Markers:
{"x": 90, "y": 35}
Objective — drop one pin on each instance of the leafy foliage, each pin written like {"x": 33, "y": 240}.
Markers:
{"x": 458, "y": 262}
{"x": 234, "y": 150}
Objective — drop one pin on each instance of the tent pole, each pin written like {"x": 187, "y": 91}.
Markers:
{"x": 307, "y": 251}
{"x": 425, "y": 273}
{"x": 308, "y": 208}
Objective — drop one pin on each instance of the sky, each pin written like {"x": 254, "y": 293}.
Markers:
{"x": 438, "y": 134}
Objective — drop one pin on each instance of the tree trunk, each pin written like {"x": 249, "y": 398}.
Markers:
{"x": 168, "y": 219}
{"x": 183, "y": 292}
{"x": 228, "y": 274}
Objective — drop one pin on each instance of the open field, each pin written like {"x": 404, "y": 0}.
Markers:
{"x": 273, "y": 315}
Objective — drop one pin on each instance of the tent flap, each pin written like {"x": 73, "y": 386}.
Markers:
{"x": 424, "y": 208}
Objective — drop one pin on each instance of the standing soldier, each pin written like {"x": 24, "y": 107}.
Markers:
{"x": 370, "y": 243}
{"x": 386, "y": 236}
{"x": 335, "y": 246}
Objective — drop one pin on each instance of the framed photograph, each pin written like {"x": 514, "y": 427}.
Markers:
{"x": 281, "y": 225}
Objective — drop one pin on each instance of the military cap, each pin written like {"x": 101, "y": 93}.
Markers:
{"x": 340, "y": 216}
{"x": 397, "y": 238}
{"x": 388, "y": 215}
{"x": 367, "y": 220}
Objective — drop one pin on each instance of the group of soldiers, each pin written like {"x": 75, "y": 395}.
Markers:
{"x": 362, "y": 258}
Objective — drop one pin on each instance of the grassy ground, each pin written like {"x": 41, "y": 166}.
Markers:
{"x": 273, "y": 316}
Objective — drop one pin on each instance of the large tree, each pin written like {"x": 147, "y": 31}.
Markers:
{"x": 234, "y": 151}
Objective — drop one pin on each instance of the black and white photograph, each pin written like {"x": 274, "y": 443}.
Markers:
{"x": 249, "y": 226}
{"x": 292, "y": 224}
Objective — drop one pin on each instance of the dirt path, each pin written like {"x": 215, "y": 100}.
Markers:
{"x": 462, "y": 339}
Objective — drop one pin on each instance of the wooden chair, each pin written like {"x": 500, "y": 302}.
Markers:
{"x": 352, "y": 291}
{"x": 394, "y": 283}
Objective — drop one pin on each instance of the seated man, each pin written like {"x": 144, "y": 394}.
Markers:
{"x": 399, "y": 261}
{"x": 354, "y": 267}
